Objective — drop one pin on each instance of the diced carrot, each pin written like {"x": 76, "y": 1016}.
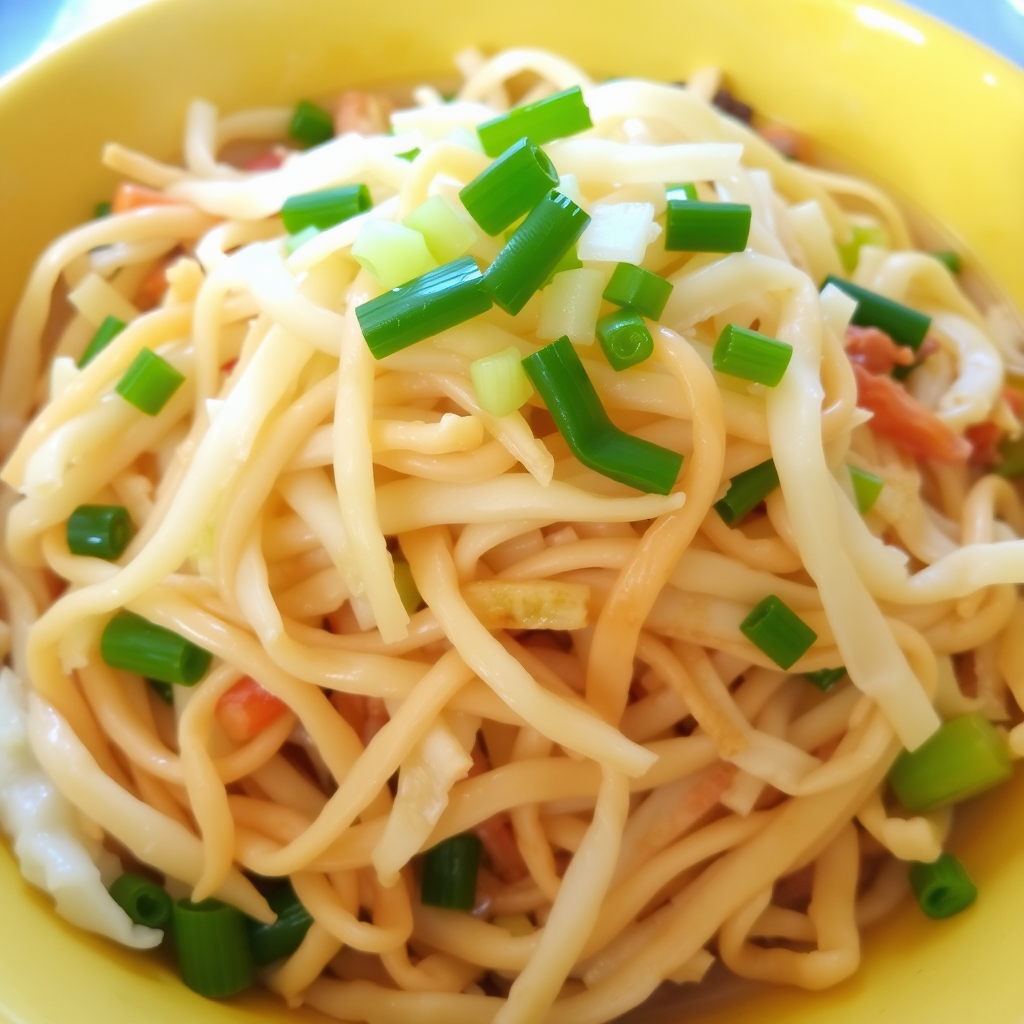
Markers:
{"x": 228, "y": 366}
{"x": 984, "y": 439}
{"x": 366, "y": 715}
{"x": 153, "y": 286}
{"x": 910, "y": 425}
{"x": 875, "y": 350}
{"x": 367, "y": 113}
{"x": 129, "y": 196}
{"x": 496, "y": 834}
{"x": 269, "y": 161}
{"x": 247, "y": 709}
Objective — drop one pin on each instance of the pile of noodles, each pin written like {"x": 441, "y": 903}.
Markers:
{"x": 657, "y": 773}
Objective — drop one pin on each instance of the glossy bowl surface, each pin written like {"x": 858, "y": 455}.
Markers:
{"x": 887, "y": 90}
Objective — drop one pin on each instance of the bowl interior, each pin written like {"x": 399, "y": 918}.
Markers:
{"x": 918, "y": 108}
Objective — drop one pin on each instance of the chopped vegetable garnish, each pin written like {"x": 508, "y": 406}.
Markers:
{"x": 635, "y": 288}
{"x": 943, "y": 888}
{"x": 105, "y": 334}
{"x": 826, "y": 678}
{"x": 270, "y": 942}
{"x": 310, "y": 125}
{"x": 866, "y": 488}
{"x": 447, "y": 235}
{"x": 325, "y": 208}
{"x": 553, "y": 117}
{"x": 951, "y": 259}
{"x": 149, "y": 382}
{"x": 1011, "y": 462}
{"x": 694, "y": 226}
{"x": 392, "y": 253}
{"x": 300, "y": 238}
{"x": 570, "y": 304}
{"x": 904, "y": 325}
{"x": 500, "y": 382}
{"x": 99, "y": 531}
{"x": 510, "y": 187}
{"x": 558, "y": 374}
{"x": 129, "y": 196}
{"x": 532, "y": 253}
{"x": 752, "y": 356}
{"x": 449, "y": 873}
{"x": 423, "y": 307}
{"x": 212, "y": 943}
{"x": 746, "y": 491}
{"x": 778, "y": 631}
{"x": 570, "y": 261}
{"x": 624, "y": 338}
{"x": 962, "y": 757}
{"x": 849, "y": 252}
{"x": 681, "y": 190}
{"x": 405, "y": 584}
{"x": 247, "y": 709}
{"x": 410, "y": 154}
{"x": 134, "y": 644}
{"x": 145, "y": 902}
{"x": 102, "y": 210}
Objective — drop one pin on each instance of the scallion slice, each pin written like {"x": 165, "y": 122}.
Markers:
{"x": 752, "y": 356}
{"x": 951, "y": 260}
{"x": 105, "y": 334}
{"x": 135, "y": 644}
{"x": 500, "y": 382}
{"x": 310, "y": 125}
{"x": 325, "y": 208}
{"x": 449, "y": 873}
{"x": 270, "y": 942}
{"x": 904, "y": 325}
{"x": 406, "y": 586}
{"x": 849, "y": 252}
{"x": 145, "y": 902}
{"x": 943, "y": 888}
{"x": 410, "y": 154}
{"x": 624, "y": 338}
{"x": 681, "y": 190}
{"x": 102, "y": 210}
{"x": 447, "y": 235}
{"x": 826, "y": 678}
{"x": 213, "y": 948}
{"x": 510, "y": 187}
{"x": 99, "y": 531}
{"x": 300, "y": 238}
{"x": 635, "y": 288}
{"x": 553, "y": 117}
{"x": 778, "y": 631}
{"x": 149, "y": 382}
{"x": 550, "y": 230}
{"x": 866, "y": 488}
{"x": 746, "y": 491}
{"x": 423, "y": 307}
{"x": 695, "y": 226}
{"x": 558, "y": 374}
{"x": 962, "y": 757}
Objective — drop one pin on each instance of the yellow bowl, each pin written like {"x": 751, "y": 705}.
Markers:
{"x": 917, "y": 107}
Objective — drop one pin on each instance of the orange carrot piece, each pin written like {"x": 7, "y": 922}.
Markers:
{"x": 247, "y": 709}
{"x": 130, "y": 196}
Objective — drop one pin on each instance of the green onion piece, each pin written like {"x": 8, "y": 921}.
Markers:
{"x": 849, "y": 252}
{"x": 1011, "y": 458}
{"x": 750, "y": 355}
{"x": 500, "y": 382}
{"x": 681, "y": 190}
{"x": 102, "y": 210}
{"x": 746, "y": 491}
{"x": 270, "y": 942}
{"x": 530, "y": 256}
{"x": 99, "y": 531}
{"x": 135, "y": 644}
{"x": 624, "y": 338}
{"x": 310, "y": 124}
{"x": 406, "y": 586}
{"x": 449, "y": 873}
{"x": 942, "y": 888}
{"x": 409, "y": 154}
{"x": 213, "y": 948}
{"x": 904, "y": 325}
{"x": 447, "y": 235}
{"x": 163, "y": 690}
{"x": 324, "y": 209}
{"x": 423, "y": 307}
{"x": 300, "y": 238}
{"x": 105, "y": 334}
{"x": 553, "y": 117}
{"x": 694, "y": 226}
{"x": 962, "y": 757}
{"x": 392, "y": 253}
{"x": 866, "y": 488}
{"x": 951, "y": 259}
{"x": 824, "y": 679}
{"x": 778, "y": 631}
{"x": 149, "y": 382}
{"x": 635, "y": 288}
{"x": 558, "y": 374}
{"x": 510, "y": 187}
{"x": 143, "y": 901}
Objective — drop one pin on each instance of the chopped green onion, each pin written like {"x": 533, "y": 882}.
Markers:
{"x": 532, "y": 253}
{"x": 1011, "y": 458}
{"x": 325, "y": 208}
{"x": 447, "y": 235}
{"x": 423, "y": 307}
{"x": 449, "y": 873}
{"x": 943, "y": 888}
{"x": 849, "y": 252}
{"x": 406, "y": 585}
{"x": 310, "y": 125}
{"x": 681, "y": 190}
{"x": 149, "y": 382}
{"x": 99, "y": 531}
{"x": 624, "y": 338}
{"x": 143, "y": 901}
{"x": 778, "y": 631}
{"x": 510, "y": 187}
{"x": 962, "y": 757}
{"x": 866, "y": 488}
{"x": 163, "y": 690}
{"x": 694, "y": 226}
{"x": 750, "y": 355}
{"x": 105, "y": 334}
{"x": 392, "y": 253}
{"x": 135, "y": 644}
{"x": 746, "y": 491}
{"x": 409, "y": 154}
{"x": 270, "y": 942}
{"x": 824, "y": 679}
{"x": 300, "y": 238}
{"x": 553, "y": 117}
{"x": 213, "y": 948}
{"x": 904, "y": 325}
{"x": 558, "y": 374}
{"x": 102, "y": 210}
{"x": 500, "y": 382}
{"x": 951, "y": 259}
{"x": 635, "y": 288}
